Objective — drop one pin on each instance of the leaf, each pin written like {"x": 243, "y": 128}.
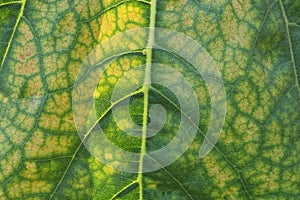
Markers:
{"x": 255, "y": 46}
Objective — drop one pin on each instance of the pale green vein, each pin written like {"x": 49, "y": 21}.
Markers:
{"x": 294, "y": 24}
{"x": 173, "y": 177}
{"x": 114, "y": 7}
{"x": 146, "y": 94}
{"x": 109, "y": 58}
{"x": 286, "y": 21}
{"x": 262, "y": 26}
{"x": 10, "y": 3}
{"x": 123, "y": 189}
{"x": 218, "y": 150}
{"x": 13, "y": 33}
{"x": 86, "y": 136}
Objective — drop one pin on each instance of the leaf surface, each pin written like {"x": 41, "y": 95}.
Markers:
{"x": 255, "y": 45}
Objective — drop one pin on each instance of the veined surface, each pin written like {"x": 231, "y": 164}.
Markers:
{"x": 255, "y": 45}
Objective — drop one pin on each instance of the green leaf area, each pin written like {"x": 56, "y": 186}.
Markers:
{"x": 256, "y": 47}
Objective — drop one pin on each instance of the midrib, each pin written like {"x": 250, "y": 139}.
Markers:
{"x": 147, "y": 82}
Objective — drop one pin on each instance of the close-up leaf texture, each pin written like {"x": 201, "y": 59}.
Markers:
{"x": 255, "y": 45}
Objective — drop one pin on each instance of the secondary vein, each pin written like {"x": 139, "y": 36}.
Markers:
{"x": 13, "y": 33}
{"x": 84, "y": 139}
{"x": 286, "y": 21}
{"x": 123, "y": 189}
{"x": 10, "y": 3}
{"x": 200, "y": 131}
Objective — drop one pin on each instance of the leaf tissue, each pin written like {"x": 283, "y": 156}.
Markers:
{"x": 245, "y": 119}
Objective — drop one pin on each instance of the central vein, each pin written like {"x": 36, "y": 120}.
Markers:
{"x": 146, "y": 87}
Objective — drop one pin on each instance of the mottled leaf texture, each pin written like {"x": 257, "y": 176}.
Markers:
{"x": 256, "y": 47}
